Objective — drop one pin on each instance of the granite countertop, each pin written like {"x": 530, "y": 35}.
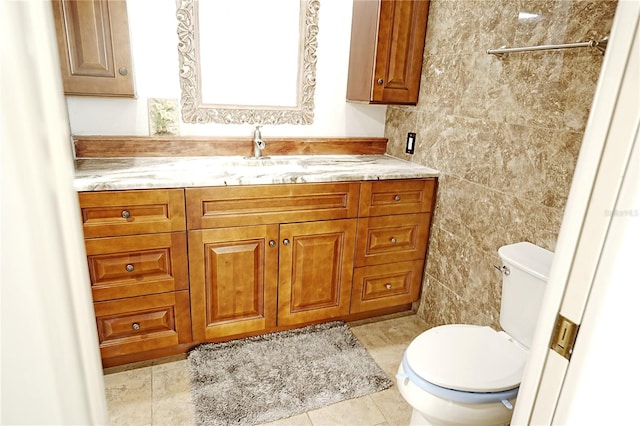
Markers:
{"x": 101, "y": 174}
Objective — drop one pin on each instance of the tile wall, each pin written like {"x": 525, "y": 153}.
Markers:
{"x": 504, "y": 133}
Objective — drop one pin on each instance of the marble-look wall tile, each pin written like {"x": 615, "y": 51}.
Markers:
{"x": 505, "y": 135}
{"x": 465, "y": 26}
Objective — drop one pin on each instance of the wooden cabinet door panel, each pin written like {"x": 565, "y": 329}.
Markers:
{"x": 316, "y": 269}
{"x": 381, "y": 286}
{"x": 93, "y": 43}
{"x": 137, "y": 265}
{"x": 113, "y": 213}
{"x": 387, "y": 45}
{"x": 233, "y": 280}
{"x": 386, "y": 239}
{"x": 139, "y": 324}
{"x": 401, "y": 35}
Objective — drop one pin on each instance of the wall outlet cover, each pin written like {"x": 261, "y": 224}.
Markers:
{"x": 411, "y": 143}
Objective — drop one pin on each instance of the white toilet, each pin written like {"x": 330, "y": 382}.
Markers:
{"x": 469, "y": 374}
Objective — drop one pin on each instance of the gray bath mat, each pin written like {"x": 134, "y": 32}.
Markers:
{"x": 266, "y": 378}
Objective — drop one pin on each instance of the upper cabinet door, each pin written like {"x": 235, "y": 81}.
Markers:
{"x": 93, "y": 43}
{"x": 387, "y": 45}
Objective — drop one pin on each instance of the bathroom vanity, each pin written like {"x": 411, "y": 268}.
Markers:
{"x": 186, "y": 250}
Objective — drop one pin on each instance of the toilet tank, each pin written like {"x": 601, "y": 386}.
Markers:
{"x": 523, "y": 288}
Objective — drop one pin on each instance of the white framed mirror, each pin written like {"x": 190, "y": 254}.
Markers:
{"x": 247, "y": 61}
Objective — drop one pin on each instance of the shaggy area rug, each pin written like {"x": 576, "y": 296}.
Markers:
{"x": 266, "y": 378}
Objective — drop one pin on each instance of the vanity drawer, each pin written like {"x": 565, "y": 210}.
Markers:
{"x": 388, "y": 239}
{"x": 139, "y": 324}
{"x": 214, "y": 207}
{"x": 113, "y": 213}
{"x": 381, "y": 286}
{"x": 379, "y": 198}
{"x": 137, "y": 265}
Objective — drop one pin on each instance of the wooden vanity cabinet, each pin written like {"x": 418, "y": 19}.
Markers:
{"x": 137, "y": 258}
{"x": 387, "y": 45}
{"x": 171, "y": 268}
{"x": 393, "y": 235}
{"x": 94, "y": 48}
{"x": 273, "y": 255}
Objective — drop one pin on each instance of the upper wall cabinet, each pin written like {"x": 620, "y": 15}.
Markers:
{"x": 93, "y": 42}
{"x": 387, "y": 45}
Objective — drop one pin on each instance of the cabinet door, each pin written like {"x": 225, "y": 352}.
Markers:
{"x": 316, "y": 270}
{"x": 233, "y": 275}
{"x": 387, "y": 45}
{"x": 93, "y": 43}
{"x": 399, "y": 53}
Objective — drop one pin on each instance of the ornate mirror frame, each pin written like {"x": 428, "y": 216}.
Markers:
{"x": 195, "y": 111}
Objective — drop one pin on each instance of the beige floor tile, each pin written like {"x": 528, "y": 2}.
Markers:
{"x": 129, "y": 397}
{"x": 172, "y": 403}
{"x": 176, "y": 409}
{"x": 172, "y": 363}
{"x": 170, "y": 381}
{"x": 353, "y": 412}
{"x": 393, "y": 406}
{"x": 299, "y": 420}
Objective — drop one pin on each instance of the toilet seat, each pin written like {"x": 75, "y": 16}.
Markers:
{"x": 440, "y": 362}
{"x": 456, "y": 395}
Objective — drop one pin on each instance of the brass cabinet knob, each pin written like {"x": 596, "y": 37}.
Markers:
{"x": 396, "y": 198}
{"x": 129, "y": 267}
{"x": 393, "y": 240}
{"x": 135, "y": 326}
{"x": 125, "y": 214}
{"x": 387, "y": 286}
{"x": 286, "y": 242}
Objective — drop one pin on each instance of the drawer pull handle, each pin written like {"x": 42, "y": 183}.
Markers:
{"x": 129, "y": 267}
{"x": 387, "y": 286}
{"x": 396, "y": 198}
{"x": 135, "y": 326}
{"x": 393, "y": 240}
{"x": 125, "y": 214}
{"x": 286, "y": 242}
{"x": 272, "y": 243}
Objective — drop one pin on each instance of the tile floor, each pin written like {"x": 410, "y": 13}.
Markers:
{"x": 160, "y": 395}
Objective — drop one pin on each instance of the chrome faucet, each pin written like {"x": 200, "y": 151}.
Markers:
{"x": 258, "y": 143}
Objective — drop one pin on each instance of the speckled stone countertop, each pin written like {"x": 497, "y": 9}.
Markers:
{"x": 102, "y": 174}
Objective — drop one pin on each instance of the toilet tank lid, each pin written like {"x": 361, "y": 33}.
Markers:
{"x": 528, "y": 257}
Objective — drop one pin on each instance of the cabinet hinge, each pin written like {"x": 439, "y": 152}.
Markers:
{"x": 564, "y": 336}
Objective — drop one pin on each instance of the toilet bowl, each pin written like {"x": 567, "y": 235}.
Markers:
{"x": 469, "y": 374}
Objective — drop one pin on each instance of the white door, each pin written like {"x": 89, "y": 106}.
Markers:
{"x": 594, "y": 279}
{"x": 50, "y": 363}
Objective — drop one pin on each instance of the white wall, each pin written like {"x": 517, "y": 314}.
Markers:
{"x": 155, "y": 55}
